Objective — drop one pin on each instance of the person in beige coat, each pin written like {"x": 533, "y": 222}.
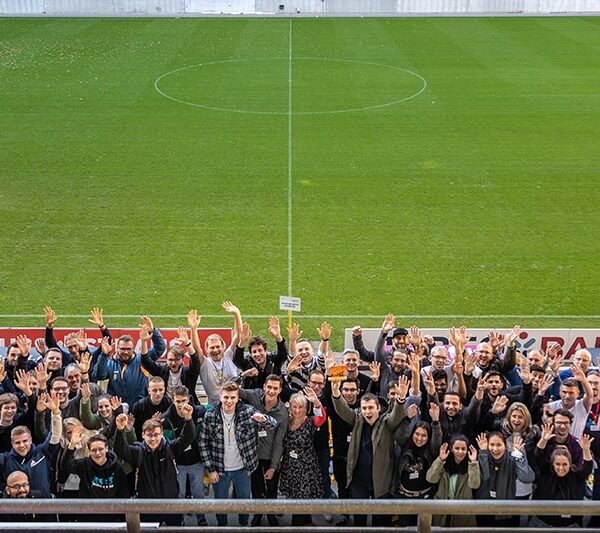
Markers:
{"x": 371, "y": 452}
{"x": 456, "y": 478}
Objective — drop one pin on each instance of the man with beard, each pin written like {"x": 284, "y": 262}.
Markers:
{"x": 400, "y": 339}
{"x": 126, "y": 378}
{"x": 17, "y": 487}
{"x": 560, "y": 435}
{"x": 265, "y": 478}
{"x": 216, "y": 362}
{"x": 302, "y": 359}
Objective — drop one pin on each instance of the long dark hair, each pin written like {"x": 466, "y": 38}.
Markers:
{"x": 451, "y": 466}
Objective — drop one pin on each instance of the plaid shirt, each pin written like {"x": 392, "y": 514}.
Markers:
{"x": 212, "y": 437}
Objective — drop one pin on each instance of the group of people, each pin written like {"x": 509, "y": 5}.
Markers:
{"x": 408, "y": 420}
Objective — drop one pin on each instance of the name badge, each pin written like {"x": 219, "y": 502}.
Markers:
{"x": 293, "y": 454}
{"x": 565, "y": 516}
{"x": 492, "y": 493}
{"x": 594, "y": 427}
{"x": 348, "y": 438}
{"x": 262, "y": 433}
{"x": 413, "y": 475}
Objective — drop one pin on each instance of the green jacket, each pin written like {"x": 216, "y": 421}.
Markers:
{"x": 465, "y": 485}
{"x": 383, "y": 443}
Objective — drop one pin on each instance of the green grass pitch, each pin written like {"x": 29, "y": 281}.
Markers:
{"x": 478, "y": 196}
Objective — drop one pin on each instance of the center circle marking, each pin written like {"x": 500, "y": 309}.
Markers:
{"x": 162, "y": 92}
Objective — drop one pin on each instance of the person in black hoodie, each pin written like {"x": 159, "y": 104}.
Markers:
{"x": 189, "y": 466}
{"x": 155, "y": 459}
{"x": 559, "y": 480}
{"x": 154, "y": 404}
{"x": 100, "y": 474}
{"x": 17, "y": 487}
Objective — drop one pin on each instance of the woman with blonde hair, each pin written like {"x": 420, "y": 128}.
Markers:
{"x": 300, "y": 474}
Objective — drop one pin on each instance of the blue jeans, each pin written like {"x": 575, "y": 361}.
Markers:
{"x": 241, "y": 484}
{"x": 195, "y": 475}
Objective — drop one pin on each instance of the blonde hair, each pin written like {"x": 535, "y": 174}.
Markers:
{"x": 85, "y": 436}
{"x": 299, "y": 399}
{"x": 528, "y": 431}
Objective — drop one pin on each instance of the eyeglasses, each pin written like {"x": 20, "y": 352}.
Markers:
{"x": 317, "y": 383}
{"x": 153, "y": 435}
{"x": 97, "y": 450}
{"x": 19, "y": 486}
{"x": 60, "y": 389}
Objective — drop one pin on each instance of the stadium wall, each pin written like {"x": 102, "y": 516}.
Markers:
{"x": 316, "y": 7}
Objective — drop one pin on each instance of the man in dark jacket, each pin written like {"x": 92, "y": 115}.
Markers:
{"x": 17, "y": 487}
{"x": 155, "y": 460}
{"x": 154, "y": 404}
{"x": 101, "y": 474}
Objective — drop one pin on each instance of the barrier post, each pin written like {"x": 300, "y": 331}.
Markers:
{"x": 133, "y": 522}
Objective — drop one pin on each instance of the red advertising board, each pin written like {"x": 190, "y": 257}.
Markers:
{"x": 8, "y": 335}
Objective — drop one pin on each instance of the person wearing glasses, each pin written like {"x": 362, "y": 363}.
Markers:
{"x": 18, "y": 487}
{"x": 155, "y": 459}
{"x": 124, "y": 373}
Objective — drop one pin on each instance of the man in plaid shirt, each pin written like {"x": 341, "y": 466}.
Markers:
{"x": 229, "y": 445}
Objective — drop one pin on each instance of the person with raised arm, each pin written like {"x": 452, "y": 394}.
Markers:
{"x": 371, "y": 451}
{"x": 400, "y": 339}
{"x": 216, "y": 361}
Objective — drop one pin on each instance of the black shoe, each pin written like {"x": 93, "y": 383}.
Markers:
{"x": 272, "y": 520}
{"x": 256, "y": 520}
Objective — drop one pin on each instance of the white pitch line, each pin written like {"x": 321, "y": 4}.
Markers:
{"x": 300, "y": 315}
{"x": 289, "y": 191}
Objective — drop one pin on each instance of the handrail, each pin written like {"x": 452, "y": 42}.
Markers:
{"x": 132, "y": 508}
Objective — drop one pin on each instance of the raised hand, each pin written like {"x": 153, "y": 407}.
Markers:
{"x": 76, "y": 436}
{"x": 42, "y": 375}
{"x": 81, "y": 340}
{"x": 545, "y": 383}
{"x": 578, "y": 373}
{"x": 470, "y": 363}
{"x": 414, "y": 363}
{"x": 115, "y": 402}
{"x": 412, "y": 410}
{"x": 121, "y": 422}
{"x": 85, "y": 392}
{"x": 230, "y": 308}
{"x": 294, "y": 364}
{"x": 193, "y": 319}
{"x": 517, "y": 443}
{"x": 52, "y": 403}
{"x": 496, "y": 340}
{"x": 482, "y": 442}
{"x": 586, "y": 442}
{"x": 481, "y": 387}
{"x": 130, "y": 422}
{"x": 429, "y": 384}
{"x": 24, "y": 345}
{"x": 500, "y": 405}
{"x": 97, "y": 317}
{"x": 403, "y": 383}
{"x": 145, "y": 334}
{"x": 41, "y": 402}
{"x": 335, "y": 388}
{"x": 84, "y": 363}
{"x": 49, "y": 317}
{"x": 525, "y": 370}
{"x": 357, "y": 331}
{"x": 389, "y": 323}
{"x": 40, "y": 346}
{"x": 472, "y": 454}
{"x": 444, "y": 451}
{"x": 416, "y": 338}
{"x": 512, "y": 335}
{"x": 434, "y": 412}
{"x": 245, "y": 334}
{"x": 2, "y": 370}
{"x": 275, "y": 328}
{"x": 186, "y": 411}
{"x": 107, "y": 345}
{"x": 329, "y": 360}
{"x": 21, "y": 381}
{"x": 147, "y": 321}
{"x": 324, "y": 331}
{"x": 311, "y": 395}
{"x": 182, "y": 335}
{"x": 547, "y": 431}
{"x": 294, "y": 332}
{"x": 375, "y": 369}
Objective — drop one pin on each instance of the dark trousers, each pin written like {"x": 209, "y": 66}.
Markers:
{"x": 324, "y": 458}
{"x": 262, "y": 488}
{"x": 359, "y": 491}
{"x": 339, "y": 471}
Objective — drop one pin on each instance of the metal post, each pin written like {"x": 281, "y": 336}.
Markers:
{"x": 133, "y": 522}
{"x": 424, "y": 523}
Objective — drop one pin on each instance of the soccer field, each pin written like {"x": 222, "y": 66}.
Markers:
{"x": 421, "y": 166}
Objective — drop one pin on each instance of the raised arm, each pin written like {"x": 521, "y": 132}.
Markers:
{"x": 193, "y": 321}
{"x": 237, "y": 321}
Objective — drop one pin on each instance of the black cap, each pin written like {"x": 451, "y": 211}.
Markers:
{"x": 399, "y": 331}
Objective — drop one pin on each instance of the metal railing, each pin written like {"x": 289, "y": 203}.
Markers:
{"x": 424, "y": 509}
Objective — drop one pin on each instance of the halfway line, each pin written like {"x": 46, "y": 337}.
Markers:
{"x": 289, "y": 191}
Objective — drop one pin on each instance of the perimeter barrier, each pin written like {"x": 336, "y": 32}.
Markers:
{"x": 425, "y": 509}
